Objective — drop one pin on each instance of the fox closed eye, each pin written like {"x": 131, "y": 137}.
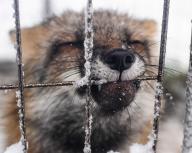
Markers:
{"x": 58, "y": 45}
{"x": 137, "y": 45}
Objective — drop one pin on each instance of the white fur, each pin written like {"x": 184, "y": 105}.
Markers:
{"x": 134, "y": 71}
{"x": 102, "y": 71}
{"x": 44, "y": 104}
{"x": 66, "y": 76}
{"x": 140, "y": 110}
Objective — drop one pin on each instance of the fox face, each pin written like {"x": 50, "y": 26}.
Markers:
{"x": 54, "y": 51}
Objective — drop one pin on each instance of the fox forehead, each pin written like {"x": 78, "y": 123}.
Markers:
{"x": 110, "y": 28}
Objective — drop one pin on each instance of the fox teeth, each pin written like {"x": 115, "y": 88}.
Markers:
{"x": 99, "y": 87}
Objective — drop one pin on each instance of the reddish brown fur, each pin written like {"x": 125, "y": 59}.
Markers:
{"x": 33, "y": 41}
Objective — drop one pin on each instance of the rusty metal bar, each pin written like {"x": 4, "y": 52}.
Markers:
{"x": 20, "y": 92}
{"x": 159, "y": 88}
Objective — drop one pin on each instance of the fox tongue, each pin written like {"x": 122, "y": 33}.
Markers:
{"x": 115, "y": 95}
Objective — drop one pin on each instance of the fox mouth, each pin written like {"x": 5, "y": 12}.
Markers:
{"x": 112, "y": 97}
{"x": 115, "y": 96}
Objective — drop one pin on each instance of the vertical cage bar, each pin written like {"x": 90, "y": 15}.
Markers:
{"x": 159, "y": 88}
{"x": 20, "y": 92}
{"x": 47, "y": 9}
{"x": 88, "y": 45}
{"x": 187, "y": 141}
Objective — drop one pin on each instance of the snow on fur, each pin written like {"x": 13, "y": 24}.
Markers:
{"x": 139, "y": 148}
{"x": 147, "y": 148}
{"x": 15, "y": 148}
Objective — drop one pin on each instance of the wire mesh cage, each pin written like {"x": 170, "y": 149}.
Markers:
{"x": 88, "y": 47}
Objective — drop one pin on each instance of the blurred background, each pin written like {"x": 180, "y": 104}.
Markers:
{"x": 177, "y": 57}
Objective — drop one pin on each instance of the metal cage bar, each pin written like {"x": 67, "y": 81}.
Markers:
{"x": 159, "y": 87}
{"x": 187, "y": 141}
{"x": 47, "y": 9}
{"x": 54, "y": 84}
{"x": 88, "y": 47}
{"x": 20, "y": 92}
{"x": 89, "y": 44}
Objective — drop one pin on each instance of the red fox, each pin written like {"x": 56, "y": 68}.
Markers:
{"x": 122, "y": 108}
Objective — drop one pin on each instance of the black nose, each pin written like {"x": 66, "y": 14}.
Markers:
{"x": 120, "y": 59}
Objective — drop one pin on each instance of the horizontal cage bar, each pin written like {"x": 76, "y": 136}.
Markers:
{"x": 55, "y": 84}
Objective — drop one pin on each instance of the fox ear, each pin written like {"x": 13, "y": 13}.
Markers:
{"x": 31, "y": 39}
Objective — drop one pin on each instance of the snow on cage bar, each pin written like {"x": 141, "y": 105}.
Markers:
{"x": 187, "y": 141}
{"x": 88, "y": 46}
{"x": 20, "y": 92}
{"x": 159, "y": 89}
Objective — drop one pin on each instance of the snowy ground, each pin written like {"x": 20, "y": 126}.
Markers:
{"x": 179, "y": 26}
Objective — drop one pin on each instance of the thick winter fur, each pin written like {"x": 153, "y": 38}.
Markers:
{"x": 55, "y": 117}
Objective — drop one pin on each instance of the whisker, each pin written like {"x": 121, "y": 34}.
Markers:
{"x": 136, "y": 109}
{"x": 155, "y": 43}
{"x": 166, "y": 69}
{"x": 66, "y": 61}
{"x": 129, "y": 119}
{"x": 64, "y": 94}
{"x": 149, "y": 72}
{"x": 71, "y": 75}
{"x": 148, "y": 83}
{"x": 56, "y": 105}
{"x": 151, "y": 45}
